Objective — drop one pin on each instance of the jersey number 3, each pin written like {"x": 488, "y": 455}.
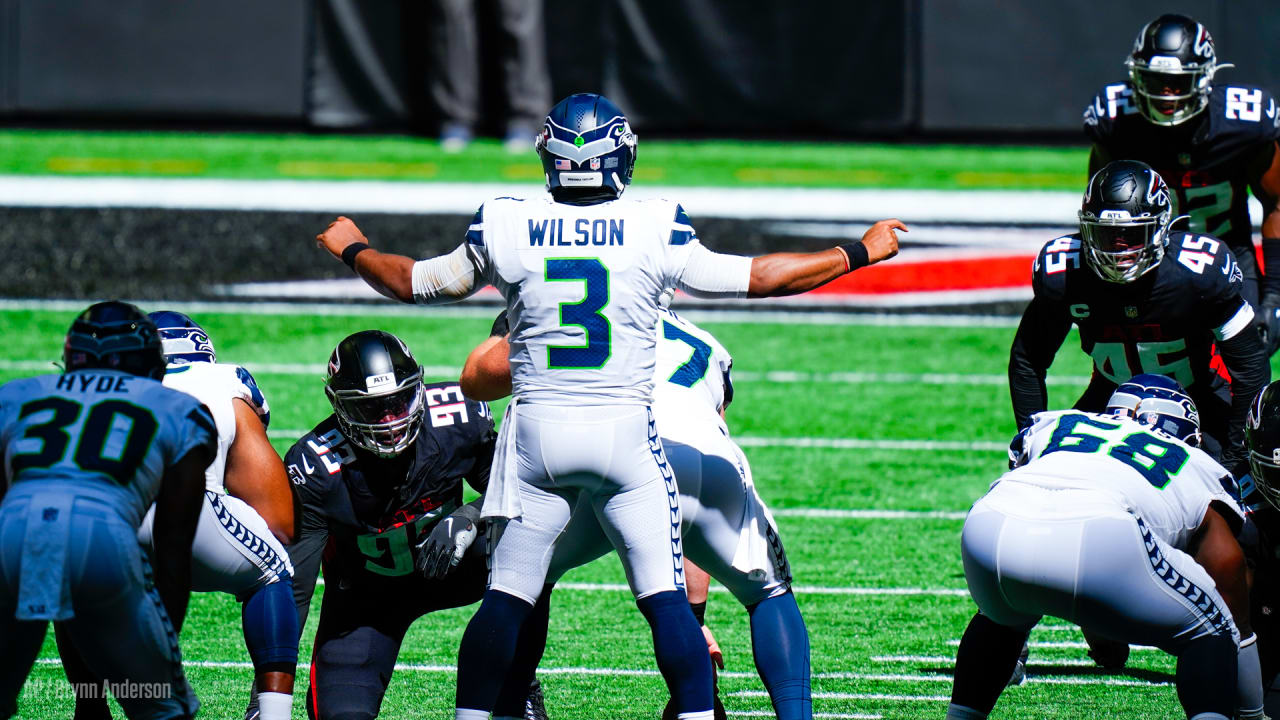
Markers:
{"x": 585, "y": 313}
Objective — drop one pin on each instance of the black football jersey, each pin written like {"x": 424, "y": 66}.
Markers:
{"x": 373, "y": 509}
{"x": 1258, "y": 540}
{"x": 1208, "y": 161}
{"x": 1165, "y": 322}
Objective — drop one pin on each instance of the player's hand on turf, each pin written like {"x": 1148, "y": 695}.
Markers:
{"x": 340, "y": 233}
{"x": 713, "y": 647}
{"x": 881, "y": 240}
{"x": 443, "y": 547}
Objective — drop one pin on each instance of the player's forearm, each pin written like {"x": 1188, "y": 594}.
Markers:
{"x": 255, "y": 474}
{"x": 389, "y": 274}
{"x": 1246, "y": 362}
{"x": 781, "y": 274}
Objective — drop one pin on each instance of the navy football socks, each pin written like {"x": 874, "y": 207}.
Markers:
{"x": 524, "y": 664}
{"x": 488, "y": 646}
{"x": 270, "y": 620}
{"x": 780, "y": 643}
{"x": 680, "y": 649}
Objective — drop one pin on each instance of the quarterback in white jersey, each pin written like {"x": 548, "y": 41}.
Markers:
{"x": 1118, "y": 524}
{"x": 85, "y": 454}
{"x": 582, "y": 272}
{"x": 727, "y": 529}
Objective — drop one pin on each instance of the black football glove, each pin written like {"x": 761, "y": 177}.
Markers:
{"x": 500, "y": 325}
{"x": 443, "y": 547}
{"x": 1269, "y": 323}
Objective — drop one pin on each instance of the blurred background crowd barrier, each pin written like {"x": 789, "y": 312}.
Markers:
{"x": 821, "y": 68}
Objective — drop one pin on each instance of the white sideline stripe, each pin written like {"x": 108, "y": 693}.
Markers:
{"x": 800, "y": 589}
{"x": 389, "y": 309}
{"x": 772, "y": 377}
{"x": 851, "y": 696}
{"x": 802, "y": 442}
{"x": 1069, "y": 645}
{"x": 949, "y": 661}
{"x": 865, "y": 444}
{"x": 771, "y": 714}
{"x": 893, "y": 677}
{"x": 870, "y": 514}
{"x": 356, "y": 196}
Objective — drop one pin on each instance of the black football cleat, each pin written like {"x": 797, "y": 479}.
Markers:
{"x": 535, "y": 707}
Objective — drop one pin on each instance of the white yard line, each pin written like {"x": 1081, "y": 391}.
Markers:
{"x": 770, "y": 714}
{"x": 870, "y": 514}
{"x": 851, "y": 696}
{"x": 356, "y": 196}
{"x": 800, "y": 589}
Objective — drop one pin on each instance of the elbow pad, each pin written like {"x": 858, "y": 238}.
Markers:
{"x": 447, "y": 278}
{"x": 714, "y": 275}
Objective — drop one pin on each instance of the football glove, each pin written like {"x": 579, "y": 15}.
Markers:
{"x": 1269, "y": 323}
{"x": 445, "y": 544}
{"x": 500, "y": 326}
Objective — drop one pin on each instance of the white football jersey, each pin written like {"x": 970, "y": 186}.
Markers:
{"x": 582, "y": 286}
{"x": 691, "y": 382}
{"x": 99, "y": 433}
{"x": 217, "y": 385}
{"x": 1156, "y": 476}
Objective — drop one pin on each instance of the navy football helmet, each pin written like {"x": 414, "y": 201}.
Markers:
{"x": 587, "y": 148}
{"x": 114, "y": 335}
{"x": 1124, "y": 220}
{"x": 1171, "y": 69}
{"x": 1159, "y": 402}
{"x": 375, "y": 388}
{"x": 1262, "y": 438}
{"x": 183, "y": 339}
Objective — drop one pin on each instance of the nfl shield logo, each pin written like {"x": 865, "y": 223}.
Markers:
{"x": 562, "y": 164}
{"x": 595, "y": 163}
{"x": 1131, "y": 311}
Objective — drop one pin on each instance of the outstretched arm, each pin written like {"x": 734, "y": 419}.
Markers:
{"x": 441, "y": 279}
{"x": 779, "y": 274}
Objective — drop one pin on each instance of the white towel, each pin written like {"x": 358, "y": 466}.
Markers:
{"x": 502, "y": 497}
{"x": 44, "y": 589}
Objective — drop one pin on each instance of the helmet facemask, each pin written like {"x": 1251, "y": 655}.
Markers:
{"x": 1265, "y": 471}
{"x": 384, "y": 423}
{"x": 1123, "y": 247}
{"x": 1169, "y": 94}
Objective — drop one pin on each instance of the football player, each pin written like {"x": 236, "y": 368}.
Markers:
{"x": 582, "y": 271}
{"x": 86, "y": 453}
{"x": 1261, "y": 536}
{"x": 1146, "y": 300}
{"x": 1123, "y": 525}
{"x": 247, "y": 515}
{"x": 726, "y": 527}
{"x": 380, "y": 487}
{"x": 1211, "y": 143}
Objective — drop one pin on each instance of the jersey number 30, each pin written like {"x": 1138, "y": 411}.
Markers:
{"x": 120, "y": 461}
{"x": 585, "y": 313}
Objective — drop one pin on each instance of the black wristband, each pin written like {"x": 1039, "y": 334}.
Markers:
{"x": 699, "y": 611}
{"x": 350, "y": 253}
{"x": 857, "y": 253}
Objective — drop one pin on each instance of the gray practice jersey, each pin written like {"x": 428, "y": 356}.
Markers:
{"x": 100, "y": 433}
{"x": 1166, "y": 482}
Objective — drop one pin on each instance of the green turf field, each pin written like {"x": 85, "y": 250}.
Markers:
{"x": 882, "y": 594}
{"x": 661, "y": 162}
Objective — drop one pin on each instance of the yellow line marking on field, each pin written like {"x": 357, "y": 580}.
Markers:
{"x": 809, "y": 175}
{"x": 160, "y": 166}
{"x": 333, "y": 168}
{"x": 977, "y": 178}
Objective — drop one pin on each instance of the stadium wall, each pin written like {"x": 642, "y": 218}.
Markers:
{"x": 739, "y": 67}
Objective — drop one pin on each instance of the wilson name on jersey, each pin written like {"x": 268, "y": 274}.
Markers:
{"x": 373, "y": 508}
{"x": 582, "y": 284}
{"x": 1207, "y": 161}
{"x": 100, "y": 433}
{"x": 1156, "y": 476}
{"x": 1165, "y": 322}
